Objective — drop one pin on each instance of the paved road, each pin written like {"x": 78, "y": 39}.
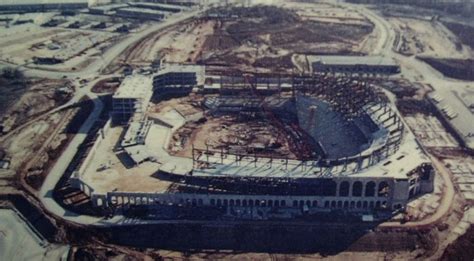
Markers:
{"x": 53, "y": 177}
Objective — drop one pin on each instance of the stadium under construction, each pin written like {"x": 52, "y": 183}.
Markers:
{"x": 252, "y": 146}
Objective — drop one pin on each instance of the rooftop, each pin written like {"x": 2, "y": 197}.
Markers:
{"x": 135, "y": 87}
{"x": 143, "y": 10}
{"x": 457, "y": 112}
{"x": 182, "y": 68}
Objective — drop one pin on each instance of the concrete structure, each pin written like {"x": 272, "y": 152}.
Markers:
{"x": 456, "y": 110}
{"x": 41, "y": 6}
{"x": 131, "y": 98}
{"x": 385, "y": 176}
{"x": 141, "y": 13}
{"x": 106, "y": 9}
{"x": 353, "y": 64}
{"x": 178, "y": 79}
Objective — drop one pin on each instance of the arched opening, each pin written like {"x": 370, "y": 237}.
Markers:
{"x": 358, "y": 204}
{"x": 308, "y": 203}
{"x": 200, "y": 202}
{"x": 231, "y": 202}
{"x": 226, "y": 202}
{"x": 370, "y": 189}
{"x": 250, "y": 202}
{"x": 213, "y": 202}
{"x": 352, "y": 204}
{"x": 346, "y": 204}
{"x": 357, "y": 189}
{"x": 244, "y": 202}
{"x": 315, "y": 203}
{"x": 339, "y": 204}
{"x": 270, "y": 203}
{"x": 326, "y": 204}
{"x": 377, "y": 204}
{"x": 301, "y": 203}
{"x": 277, "y": 203}
{"x": 364, "y": 205}
{"x": 330, "y": 188}
{"x": 283, "y": 203}
{"x": 295, "y": 203}
{"x": 333, "y": 204}
{"x": 384, "y": 189}
{"x": 219, "y": 202}
{"x": 344, "y": 189}
{"x": 237, "y": 202}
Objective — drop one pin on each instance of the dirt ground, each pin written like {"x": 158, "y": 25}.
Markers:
{"x": 430, "y": 132}
{"x": 425, "y": 37}
{"x": 107, "y": 85}
{"x": 253, "y": 40}
{"x": 179, "y": 43}
{"x": 258, "y": 39}
{"x": 227, "y": 132}
{"x": 40, "y": 96}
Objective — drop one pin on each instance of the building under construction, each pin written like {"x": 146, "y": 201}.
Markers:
{"x": 334, "y": 143}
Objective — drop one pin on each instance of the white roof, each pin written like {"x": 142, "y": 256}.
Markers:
{"x": 135, "y": 87}
{"x": 143, "y": 11}
{"x": 352, "y": 60}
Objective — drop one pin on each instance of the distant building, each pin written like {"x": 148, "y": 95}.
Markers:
{"x": 141, "y": 13}
{"x": 353, "y": 64}
{"x": 41, "y": 6}
{"x": 106, "y": 9}
{"x": 131, "y": 97}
